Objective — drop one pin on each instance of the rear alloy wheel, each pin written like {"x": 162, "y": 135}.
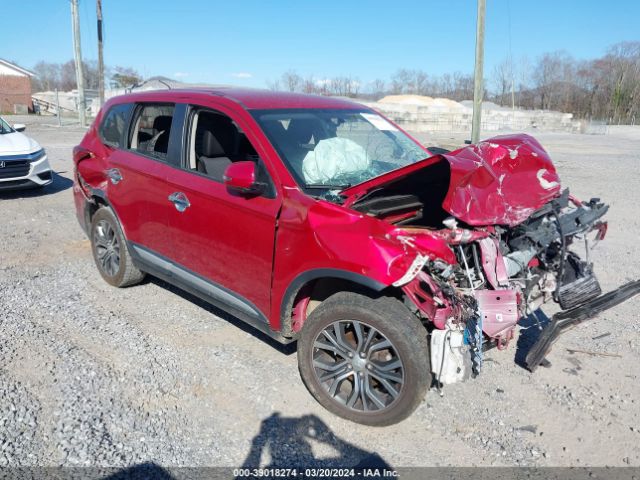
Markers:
{"x": 365, "y": 359}
{"x": 110, "y": 250}
{"x": 107, "y": 248}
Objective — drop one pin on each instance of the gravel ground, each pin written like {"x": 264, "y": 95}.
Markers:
{"x": 92, "y": 375}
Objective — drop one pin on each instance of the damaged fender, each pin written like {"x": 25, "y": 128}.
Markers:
{"x": 392, "y": 256}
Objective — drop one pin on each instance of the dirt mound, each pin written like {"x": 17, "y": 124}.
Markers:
{"x": 422, "y": 101}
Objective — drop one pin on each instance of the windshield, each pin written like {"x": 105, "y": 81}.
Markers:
{"x": 337, "y": 148}
{"x": 4, "y": 127}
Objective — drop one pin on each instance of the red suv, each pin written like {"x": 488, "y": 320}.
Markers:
{"x": 317, "y": 220}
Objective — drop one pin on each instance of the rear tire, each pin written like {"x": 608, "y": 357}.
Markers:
{"x": 110, "y": 252}
{"x": 365, "y": 359}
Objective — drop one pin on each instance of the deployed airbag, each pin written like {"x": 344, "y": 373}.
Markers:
{"x": 334, "y": 159}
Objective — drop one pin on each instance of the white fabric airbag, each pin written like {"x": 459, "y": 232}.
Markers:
{"x": 334, "y": 158}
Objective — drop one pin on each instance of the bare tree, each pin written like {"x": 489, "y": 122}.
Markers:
{"x": 413, "y": 82}
{"x": 310, "y": 85}
{"x": 624, "y": 61}
{"x": 274, "y": 85}
{"x": 291, "y": 81}
{"x": 125, "y": 77}
{"x": 91, "y": 74}
{"x": 548, "y": 75}
{"x": 68, "y": 76}
{"x": 48, "y": 76}
{"x": 400, "y": 81}
{"x": 378, "y": 88}
{"x": 462, "y": 87}
{"x": 502, "y": 79}
{"x": 344, "y": 86}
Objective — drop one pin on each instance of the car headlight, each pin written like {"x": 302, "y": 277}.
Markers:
{"x": 35, "y": 156}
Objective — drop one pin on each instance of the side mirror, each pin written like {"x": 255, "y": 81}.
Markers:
{"x": 19, "y": 127}
{"x": 241, "y": 176}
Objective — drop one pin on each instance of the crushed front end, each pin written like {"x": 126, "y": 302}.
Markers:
{"x": 517, "y": 241}
{"x": 502, "y": 274}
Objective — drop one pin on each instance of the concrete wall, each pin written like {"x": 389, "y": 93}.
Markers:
{"x": 419, "y": 118}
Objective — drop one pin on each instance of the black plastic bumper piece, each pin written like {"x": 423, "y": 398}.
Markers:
{"x": 17, "y": 185}
{"x": 568, "y": 318}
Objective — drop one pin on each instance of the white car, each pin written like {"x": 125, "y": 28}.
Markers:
{"x": 23, "y": 162}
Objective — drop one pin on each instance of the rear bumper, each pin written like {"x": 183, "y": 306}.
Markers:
{"x": 563, "y": 320}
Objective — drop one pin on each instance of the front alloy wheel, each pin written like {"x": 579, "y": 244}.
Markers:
{"x": 358, "y": 366}
{"x": 365, "y": 358}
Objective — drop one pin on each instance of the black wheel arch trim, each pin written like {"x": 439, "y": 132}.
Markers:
{"x": 102, "y": 195}
{"x": 315, "y": 274}
{"x": 89, "y": 200}
{"x": 98, "y": 192}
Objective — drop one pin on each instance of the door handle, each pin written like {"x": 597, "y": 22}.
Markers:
{"x": 114, "y": 175}
{"x": 180, "y": 201}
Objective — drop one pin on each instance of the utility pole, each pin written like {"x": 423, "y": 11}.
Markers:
{"x": 511, "y": 71}
{"x": 100, "y": 58}
{"x": 478, "y": 81}
{"x": 58, "y": 109}
{"x": 75, "y": 21}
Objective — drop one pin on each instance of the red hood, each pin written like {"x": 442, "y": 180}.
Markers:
{"x": 499, "y": 181}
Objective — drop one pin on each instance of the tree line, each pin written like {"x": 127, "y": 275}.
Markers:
{"x": 604, "y": 88}
{"x": 456, "y": 86}
{"x": 62, "y": 76}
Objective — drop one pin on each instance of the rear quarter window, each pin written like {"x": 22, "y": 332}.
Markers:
{"x": 113, "y": 126}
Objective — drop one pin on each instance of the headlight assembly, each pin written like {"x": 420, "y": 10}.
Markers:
{"x": 39, "y": 155}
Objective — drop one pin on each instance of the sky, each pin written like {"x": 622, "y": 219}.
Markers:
{"x": 252, "y": 42}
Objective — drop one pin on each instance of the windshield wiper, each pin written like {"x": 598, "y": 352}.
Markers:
{"x": 331, "y": 187}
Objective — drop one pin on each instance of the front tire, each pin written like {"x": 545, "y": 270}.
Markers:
{"x": 365, "y": 359}
{"x": 110, "y": 251}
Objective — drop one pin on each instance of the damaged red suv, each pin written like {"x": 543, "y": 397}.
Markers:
{"x": 319, "y": 221}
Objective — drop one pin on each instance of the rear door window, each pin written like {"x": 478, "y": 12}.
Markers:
{"x": 152, "y": 130}
{"x": 114, "y": 124}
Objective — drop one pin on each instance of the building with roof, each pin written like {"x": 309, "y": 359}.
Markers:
{"x": 15, "y": 88}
